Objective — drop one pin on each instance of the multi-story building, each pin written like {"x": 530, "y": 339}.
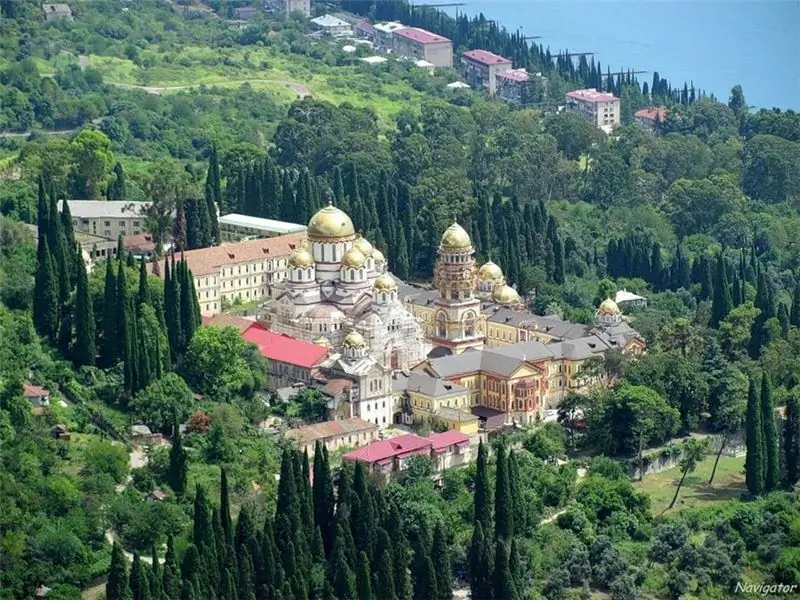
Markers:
{"x": 649, "y": 119}
{"x": 384, "y": 35}
{"x": 480, "y": 68}
{"x": 332, "y": 26}
{"x": 420, "y": 397}
{"x": 298, "y": 6}
{"x": 365, "y": 29}
{"x": 521, "y": 88}
{"x": 421, "y": 44}
{"x": 243, "y": 272}
{"x": 334, "y": 435}
{"x": 236, "y": 228}
{"x": 57, "y": 12}
{"x": 601, "y": 109}
{"x": 107, "y": 218}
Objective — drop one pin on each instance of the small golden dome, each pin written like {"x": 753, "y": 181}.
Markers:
{"x": 323, "y": 341}
{"x": 364, "y": 246}
{"x": 377, "y": 256}
{"x": 490, "y": 271}
{"x": 301, "y": 258}
{"x": 608, "y": 307}
{"x": 330, "y": 223}
{"x": 505, "y": 294}
{"x": 385, "y": 283}
{"x": 354, "y": 258}
{"x": 456, "y": 239}
{"x": 354, "y": 340}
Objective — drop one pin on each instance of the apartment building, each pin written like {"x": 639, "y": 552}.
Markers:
{"x": 422, "y": 398}
{"x": 601, "y": 109}
{"x": 57, "y": 12}
{"x": 480, "y": 68}
{"x": 347, "y": 433}
{"x": 299, "y": 6}
{"x": 107, "y": 218}
{"x": 421, "y": 44}
{"x": 332, "y": 26}
{"x": 236, "y": 228}
{"x": 384, "y": 35}
{"x": 244, "y": 272}
{"x": 649, "y": 119}
{"x": 521, "y": 88}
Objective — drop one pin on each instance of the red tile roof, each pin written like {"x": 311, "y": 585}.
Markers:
{"x": 591, "y": 95}
{"x": 366, "y": 27}
{"x": 515, "y": 75}
{"x": 651, "y": 113}
{"x": 443, "y": 440}
{"x": 34, "y": 391}
{"x": 385, "y": 449}
{"x": 223, "y": 320}
{"x": 485, "y": 57}
{"x": 205, "y": 261}
{"x": 330, "y": 429}
{"x": 284, "y": 348}
{"x": 141, "y": 241}
{"x": 336, "y": 386}
{"x": 420, "y": 36}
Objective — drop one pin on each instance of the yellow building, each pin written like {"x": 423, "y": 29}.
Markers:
{"x": 434, "y": 401}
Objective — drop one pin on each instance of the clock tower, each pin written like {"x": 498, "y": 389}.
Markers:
{"x": 459, "y": 323}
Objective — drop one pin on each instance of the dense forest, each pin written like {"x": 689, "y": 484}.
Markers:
{"x": 702, "y": 219}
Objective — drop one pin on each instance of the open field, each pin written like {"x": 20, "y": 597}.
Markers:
{"x": 728, "y": 485}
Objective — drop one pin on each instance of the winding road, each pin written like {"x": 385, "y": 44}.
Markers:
{"x": 298, "y": 89}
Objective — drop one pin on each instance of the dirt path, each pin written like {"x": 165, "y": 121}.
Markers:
{"x": 24, "y": 134}
{"x": 297, "y": 88}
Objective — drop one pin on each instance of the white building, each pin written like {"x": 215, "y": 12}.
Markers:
{"x": 338, "y": 285}
{"x": 107, "y": 218}
{"x": 601, "y": 109}
{"x": 235, "y": 228}
{"x": 332, "y": 26}
{"x": 625, "y": 298}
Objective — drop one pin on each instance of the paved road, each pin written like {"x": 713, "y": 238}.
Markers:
{"x": 297, "y": 88}
{"x": 24, "y": 134}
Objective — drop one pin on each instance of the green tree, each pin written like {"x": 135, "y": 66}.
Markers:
{"x": 755, "y": 462}
{"x": 363, "y": 578}
{"x": 721, "y": 302}
{"x": 791, "y": 437}
{"x": 794, "y": 313}
{"x": 117, "y": 586}
{"x": 171, "y": 579}
{"x": 440, "y": 554}
{"x": 574, "y": 135}
{"x": 164, "y": 186}
{"x": 768, "y": 417}
{"x": 693, "y": 452}
{"x": 116, "y": 189}
{"x": 109, "y": 351}
{"x": 503, "y": 516}
{"x": 483, "y": 494}
{"x": 323, "y": 496}
{"x": 92, "y": 157}
{"x": 45, "y": 298}
{"x": 215, "y": 364}
{"x": 502, "y": 578}
{"x": 178, "y": 472}
{"x": 163, "y": 401}
{"x": 84, "y": 350}
{"x": 344, "y": 580}
{"x": 225, "y": 507}
{"x": 139, "y": 582}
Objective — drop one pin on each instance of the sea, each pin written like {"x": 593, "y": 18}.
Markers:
{"x": 714, "y": 44}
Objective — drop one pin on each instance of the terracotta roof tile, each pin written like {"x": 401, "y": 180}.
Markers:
{"x": 330, "y": 429}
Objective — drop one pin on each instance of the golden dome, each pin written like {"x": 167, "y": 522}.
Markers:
{"x": 608, "y": 307}
{"x": 330, "y": 223}
{"x": 489, "y": 271}
{"x": 385, "y": 283}
{"x": 377, "y": 256}
{"x": 455, "y": 239}
{"x": 354, "y": 340}
{"x": 354, "y": 258}
{"x": 323, "y": 341}
{"x": 505, "y": 294}
{"x": 364, "y": 246}
{"x": 301, "y": 258}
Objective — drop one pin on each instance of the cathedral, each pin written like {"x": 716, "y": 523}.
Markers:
{"x": 337, "y": 285}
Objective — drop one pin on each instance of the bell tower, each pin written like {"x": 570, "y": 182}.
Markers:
{"x": 459, "y": 323}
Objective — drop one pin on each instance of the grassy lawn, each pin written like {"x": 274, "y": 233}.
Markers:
{"x": 728, "y": 484}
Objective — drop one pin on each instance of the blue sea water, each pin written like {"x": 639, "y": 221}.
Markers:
{"x": 713, "y": 43}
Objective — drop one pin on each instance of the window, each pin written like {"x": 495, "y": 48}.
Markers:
{"x": 107, "y": 233}
{"x": 136, "y": 223}
{"x": 107, "y": 223}
{"x": 122, "y": 224}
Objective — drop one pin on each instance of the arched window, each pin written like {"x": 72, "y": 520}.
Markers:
{"x": 469, "y": 324}
{"x": 441, "y": 325}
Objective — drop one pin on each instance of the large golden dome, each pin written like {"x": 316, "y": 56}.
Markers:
{"x": 505, "y": 294}
{"x": 354, "y": 258}
{"x": 364, "y": 246}
{"x": 377, "y": 256}
{"x": 489, "y": 270}
{"x": 301, "y": 258}
{"x": 385, "y": 283}
{"x": 608, "y": 307}
{"x": 354, "y": 340}
{"x": 330, "y": 223}
{"x": 456, "y": 239}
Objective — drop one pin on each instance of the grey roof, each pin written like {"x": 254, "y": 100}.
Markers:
{"x": 141, "y": 430}
{"x": 447, "y": 366}
{"x": 524, "y": 350}
{"x": 329, "y": 21}
{"x": 99, "y": 209}
{"x": 579, "y": 349}
{"x": 425, "y": 384}
{"x": 454, "y": 414}
{"x": 616, "y": 336}
{"x": 551, "y": 325}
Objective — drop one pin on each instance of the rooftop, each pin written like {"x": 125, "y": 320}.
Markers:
{"x": 329, "y": 429}
{"x": 57, "y": 8}
{"x": 224, "y": 320}
{"x": 98, "y": 209}
{"x": 140, "y": 241}
{"x": 34, "y": 391}
{"x": 205, "y": 261}
{"x": 365, "y": 26}
{"x": 651, "y": 114}
{"x": 519, "y": 75}
{"x": 375, "y": 60}
{"x": 426, "y": 385}
{"x": 329, "y": 21}
{"x": 458, "y": 85}
{"x": 445, "y": 439}
{"x": 389, "y": 27}
{"x": 420, "y": 36}
{"x": 281, "y": 227}
{"x": 284, "y": 348}
{"x": 626, "y": 296}
{"x": 485, "y": 57}
{"x": 591, "y": 95}
{"x": 386, "y": 449}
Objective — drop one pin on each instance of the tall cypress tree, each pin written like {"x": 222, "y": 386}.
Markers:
{"x": 204, "y": 237}
{"x": 425, "y": 581}
{"x": 171, "y": 579}
{"x": 772, "y": 463}
{"x": 112, "y": 313}
{"x": 155, "y": 574}
{"x": 794, "y": 313}
{"x": 143, "y": 293}
{"x": 503, "y": 519}
{"x": 479, "y": 580}
{"x": 363, "y": 578}
{"x": 791, "y": 438}
{"x": 384, "y": 582}
{"x": 340, "y": 573}
{"x": 202, "y": 531}
{"x": 705, "y": 279}
{"x": 139, "y": 581}
{"x": 225, "y": 507}
{"x": 117, "y": 586}
{"x": 755, "y": 462}
{"x": 656, "y": 267}
{"x": 440, "y": 554}
{"x": 180, "y": 226}
{"x": 177, "y": 474}
{"x": 116, "y": 189}
{"x": 172, "y": 311}
{"x": 71, "y": 250}
{"x": 213, "y": 194}
{"x": 323, "y": 496}
{"x": 42, "y": 210}
{"x": 721, "y": 302}
{"x": 502, "y": 579}
{"x": 62, "y": 265}
{"x": 483, "y": 493}
{"x": 84, "y": 350}
{"x": 287, "y": 510}
{"x": 45, "y": 298}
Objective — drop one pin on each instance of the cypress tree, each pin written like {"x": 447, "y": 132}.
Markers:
{"x": 772, "y": 463}
{"x": 225, "y": 507}
{"x": 117, "y": 586}
{"x": 705, "y": 279}
{"x": 363, "y": 578}
{"x": 784, "y": 319}
{"x": 143, "y": 294}
{"x": 42, "y": 210}
{"x": 71, "y": 249}
{"x": 230, "y": 592}
{"x": 116, "y": 189}
{"x": 755, "y": 461}
{"x": 323, "y": 496}
{"x": 202, "y": 531}
{"x": 246, "y": 583}
{"x": 193, "y": 225}
{"x": 269, "y": 561}
{"x": 139, "y": 581}
{"x": 245, "y": 534}
{"x": 287, "y": 197}
{"x": 791, "y": 438}
{"x": 736, "y": 291}
{"x": 63, "y": 267}
{"x": 558, "y": 270}
{"x": 478, "y": 581}
{"x": 503, "y": 524}
{"x": 400, "y": 553}
{"x": 425, "y": 581}
{"x": 180, "y": 226}
{"x": 502, "y": 579}
{"x": 402, "y": 264}
{"x": 213, "y": 194}
{"x": 517, "y": 506}
{"x": 656, "y": 267}
{"x": 204, "y": 236}
{"x": 441, "y": 564}
{"x": 483, "y": 493}
{"x": 111, "y": 315}
{"x": 515, "y": 565}
{"x": 794, "y": 313}
{"x": 171, "y": 579}
{"x": 172, "y": 316}
{"x": 287, "y": 510}
{"x": 384, "y": 582}
{"x": 341, "y": 575}
{"x": 155, "y": 575}
{"x": 45, "y": 299}
{"x": 189, "y": 310}
{"x": 84, "y": 351}
{"x": 721, "y": 303}
{"x": 177, "y": 475}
